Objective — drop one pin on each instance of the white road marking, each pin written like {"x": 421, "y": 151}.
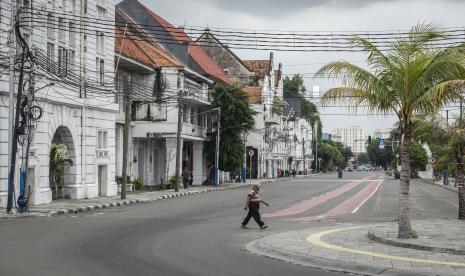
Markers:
{"x": 366, "y": 199}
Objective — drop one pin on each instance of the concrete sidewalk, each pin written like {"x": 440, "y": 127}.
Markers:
{"x": 440, "y": 184}
{"x": 349, "y": 248}
{"x": 85, "y": 205}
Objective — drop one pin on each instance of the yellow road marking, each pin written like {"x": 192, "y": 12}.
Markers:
{"x": 316, "y": 240}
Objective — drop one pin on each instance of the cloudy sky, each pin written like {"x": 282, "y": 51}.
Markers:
{"x": 314, "y": 15}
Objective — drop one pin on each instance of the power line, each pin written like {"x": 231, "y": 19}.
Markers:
{"x": 253, "y": 45}
{"x": 253, "y": 41}
{"x": 252, "y": 32}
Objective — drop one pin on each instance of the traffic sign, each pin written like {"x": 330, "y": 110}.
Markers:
{"x": 433, "y": 160}
{"x": 251, "y": 153}
{"x": 381, "y": 143}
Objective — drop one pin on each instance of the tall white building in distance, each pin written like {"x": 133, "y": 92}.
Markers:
{"x": 353, "y": 137}
{"x": 381, "y": 133}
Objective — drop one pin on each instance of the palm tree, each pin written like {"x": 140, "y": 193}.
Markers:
{"x": 454, "y": 135}
{"x": 408, "y": 77}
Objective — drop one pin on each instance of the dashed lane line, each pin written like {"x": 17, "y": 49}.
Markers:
{"x": 316, "y": 240}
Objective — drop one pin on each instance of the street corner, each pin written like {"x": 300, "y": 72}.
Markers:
{"x": 347, "y": 248}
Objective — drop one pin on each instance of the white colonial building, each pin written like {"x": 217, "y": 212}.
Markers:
{"x": 74, "y": 83}
{"x": 168, "y": 69}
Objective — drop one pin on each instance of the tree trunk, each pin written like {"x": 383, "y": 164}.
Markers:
{"x": 459, "y": 179}
{"x": 405, "y": 228}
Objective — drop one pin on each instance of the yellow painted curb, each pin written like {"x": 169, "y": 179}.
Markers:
{"x": 316, "y": 240}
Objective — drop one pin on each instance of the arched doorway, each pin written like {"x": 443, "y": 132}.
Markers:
{"x": 62, "y": 173}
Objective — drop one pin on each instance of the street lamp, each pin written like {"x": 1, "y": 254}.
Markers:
{"x": 244, "y": 162}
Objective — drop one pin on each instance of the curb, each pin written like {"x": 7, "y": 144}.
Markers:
{"x": 372, "y": 236}
{"x": 126, "y": 202}
{"x": 431, "y": 182}
{"x": 134, "y": 201}
{"x": 122, "y": 203}
{"x": 258, "y": 248}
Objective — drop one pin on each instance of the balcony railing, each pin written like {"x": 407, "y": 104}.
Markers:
{"x": 195, "y": 91}
{"x": 274, "y": 119}
{"x": 102, "y": 153}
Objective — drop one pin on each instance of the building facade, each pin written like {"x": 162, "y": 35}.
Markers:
{"x": 191, "y": 75}
{"x": 382, "y": 134}
{"x": 262, "y": 81}
{"x": 353, "y": 137}
{"x": 72, "y": 76}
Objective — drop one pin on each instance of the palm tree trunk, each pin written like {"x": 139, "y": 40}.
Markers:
{"x": 405, "y": 228}
{"x": 459, "y": 178}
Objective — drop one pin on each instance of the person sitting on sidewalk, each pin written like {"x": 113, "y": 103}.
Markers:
{"x": 253, "y": 204}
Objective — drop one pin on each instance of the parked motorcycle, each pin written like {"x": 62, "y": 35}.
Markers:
{"x": 339, "y": 174}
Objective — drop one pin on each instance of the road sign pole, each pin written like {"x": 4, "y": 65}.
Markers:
{"x": 250, "y": 167}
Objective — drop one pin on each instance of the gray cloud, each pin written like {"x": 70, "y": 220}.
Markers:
{"x": 272, "y": 8}
{"x": 314, "y": 15}
{"x": 267, "y": 8}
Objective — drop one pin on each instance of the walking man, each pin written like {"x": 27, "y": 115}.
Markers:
{"x": 253, "y": 204}
{"x": 185, "y": 178}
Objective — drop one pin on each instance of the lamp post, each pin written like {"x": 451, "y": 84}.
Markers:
{"x": 217, "y": 152}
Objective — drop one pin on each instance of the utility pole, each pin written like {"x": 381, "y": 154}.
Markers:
{"x": 447, "y": 116}
{"x": 316, "y": 147}
{"x": 244, "y": 162}
{"x": 217, "y": 157}
{"x": 127, "y": 122}
{"x": 11, "y": 177}
{"x": 303, "y": 154}
{"x": 178, "y": 142}
{"x": 12, "y": 92}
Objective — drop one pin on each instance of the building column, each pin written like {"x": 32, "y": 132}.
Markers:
{"x": 269, "y": 169}
{"x": 171, "y": 157}
{"x": 198, "y": 163}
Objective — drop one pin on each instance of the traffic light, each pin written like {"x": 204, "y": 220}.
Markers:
{"x": 369, "y": 139}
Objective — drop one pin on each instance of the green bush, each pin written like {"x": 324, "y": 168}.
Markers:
{"x": 138, "y": 182}
{"x": 173, "y": 179}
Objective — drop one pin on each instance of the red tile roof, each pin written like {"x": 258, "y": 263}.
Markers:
{"x": 141, "y": 47}
{"x": 254, "y": 93}
{"x": 260, "y": 67}
{"x": 142, "y": 51}
{"x": 196, "y": 53}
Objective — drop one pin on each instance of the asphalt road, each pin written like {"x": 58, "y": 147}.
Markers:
{"x": 200, "y": 234}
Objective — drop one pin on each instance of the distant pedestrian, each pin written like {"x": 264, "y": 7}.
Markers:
{"x": 253, "y": 204}
{"x": 446, "y": 177}
{"x": 191, "y": 179}
{"x": 185, "y": 178}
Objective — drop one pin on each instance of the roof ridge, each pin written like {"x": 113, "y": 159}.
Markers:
{"x": 226, "y": 48}
{"x": 165, "y": 54}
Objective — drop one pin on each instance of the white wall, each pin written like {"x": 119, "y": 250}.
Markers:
{"x": 63, "y": 106}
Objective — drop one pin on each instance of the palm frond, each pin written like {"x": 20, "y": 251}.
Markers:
{"x": 376, "y": 58}
{"x": 370, "y": 89}
{"x": 440, "y": 94}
